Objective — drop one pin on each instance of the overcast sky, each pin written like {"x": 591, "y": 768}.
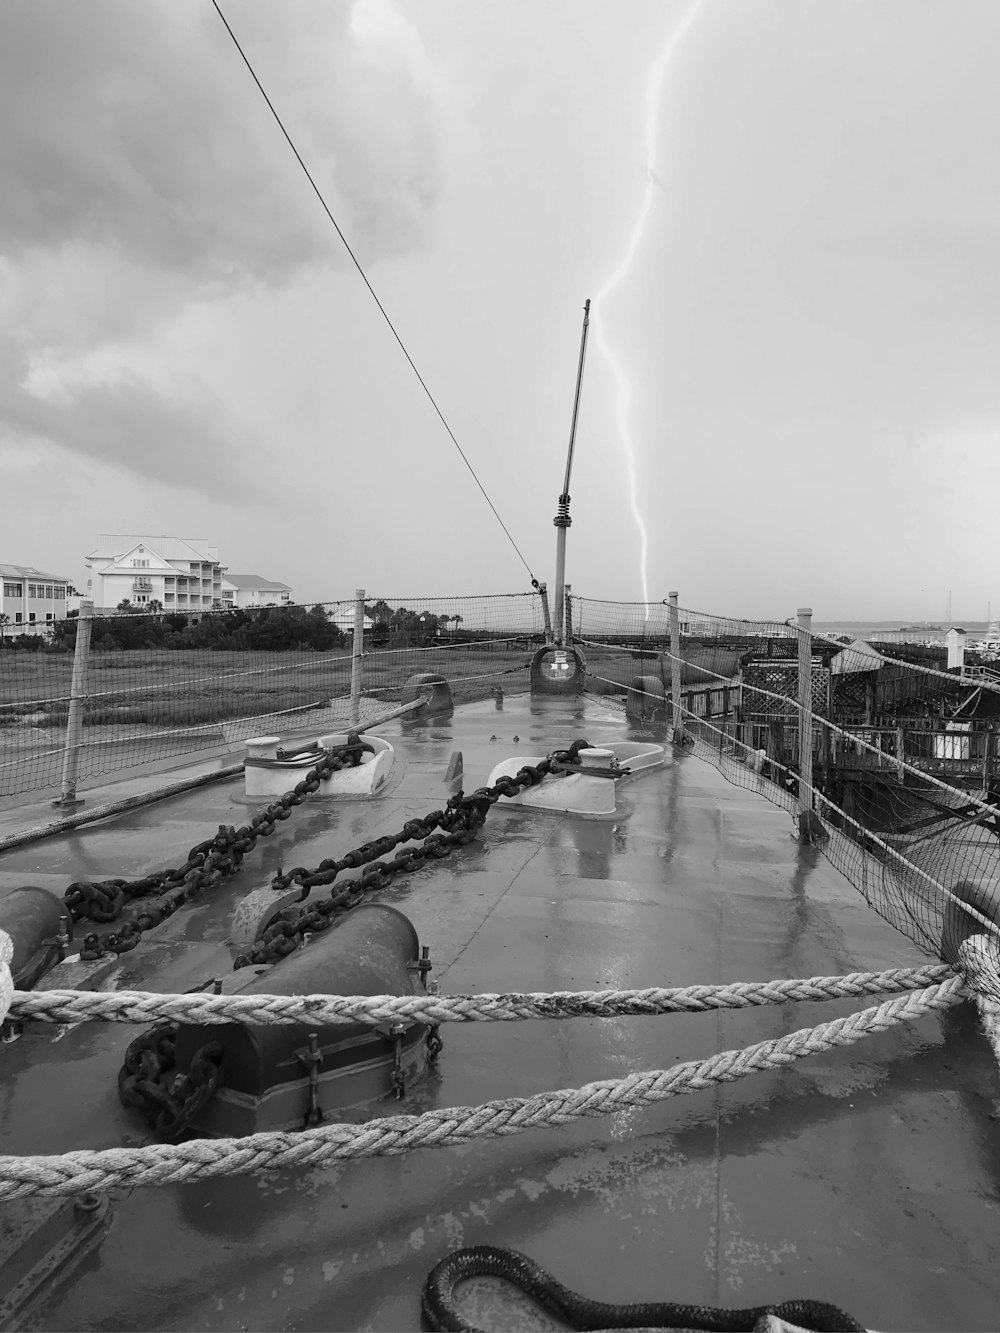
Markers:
{"x": 809, "y": 323}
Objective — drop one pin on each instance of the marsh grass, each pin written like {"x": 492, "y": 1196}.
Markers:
{"x": 180, "y": 688}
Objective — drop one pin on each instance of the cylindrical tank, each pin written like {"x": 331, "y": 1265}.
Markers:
{"x": 268, "y": 1081}
{"x": 39, "y": 926}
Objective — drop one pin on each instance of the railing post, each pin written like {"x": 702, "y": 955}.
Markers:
{"x": 77, "y": 695}
{"x": 358, "y": 648}
{"x": 810, "y": 827}
{"x": 569, "y": 614}
{"x": 988, "y": 759}
{"x": 677, "y": 727}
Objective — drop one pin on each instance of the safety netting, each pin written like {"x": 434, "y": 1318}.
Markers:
{"x": 905, "y": 782}
{"x": 156, "y": 688}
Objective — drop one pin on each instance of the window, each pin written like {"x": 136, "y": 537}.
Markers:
{"x": 32, "y": 589}
{"x": 31, "y": 617}
{"x": 18, "y": 617}
{"x": 13, "y": 589}
{"x": 49, "y": 615}
{"x": 50, "y": 592}
{"x": 140, "y": 564}
{"x": 60, "y": 592}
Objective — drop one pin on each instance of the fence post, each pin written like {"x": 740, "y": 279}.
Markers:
{"x": 810, "y": 827}
{"x": 77, "y": 695}
{"x": 987, "y": 759}
{"x": 677, "y": 727}
{"x": 359, "y": 643}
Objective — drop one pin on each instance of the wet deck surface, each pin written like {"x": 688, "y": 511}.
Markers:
{"x": 867, "y": 1177}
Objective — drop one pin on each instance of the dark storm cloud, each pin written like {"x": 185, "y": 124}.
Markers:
{"x": 138, "y": 127}
{"x": 129, "y": 425}
{"x": 142, "y": 173}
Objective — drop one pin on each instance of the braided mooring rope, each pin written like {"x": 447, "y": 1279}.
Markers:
{"x": 200, "y": 1159}
{"x": 68, "y": 1006}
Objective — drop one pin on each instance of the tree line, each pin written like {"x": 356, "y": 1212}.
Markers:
{"x": 263, "y": 629}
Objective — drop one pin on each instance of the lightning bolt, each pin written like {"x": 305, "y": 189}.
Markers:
{"x": 654, "y": 85}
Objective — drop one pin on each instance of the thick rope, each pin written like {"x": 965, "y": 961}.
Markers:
{"x": 69, "y": 1006}
{"x": 200, "y": 1159}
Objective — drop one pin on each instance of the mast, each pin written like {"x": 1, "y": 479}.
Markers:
{"x": 562, "y": 519}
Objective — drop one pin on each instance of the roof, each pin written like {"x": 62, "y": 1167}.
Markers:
{"x": 344, "y": 619}
{"x": 248, "y": 582}
{"x": 857, "y": 656}
{"x": 110, "y": 546}
{"x": 28, "y": 572}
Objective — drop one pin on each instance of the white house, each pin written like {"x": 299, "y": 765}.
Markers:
{"x": 181, "y": 573}
{"x": 246, "y": 590}
{"x": 343, "y": 618}
{"x": 29, "y": 597}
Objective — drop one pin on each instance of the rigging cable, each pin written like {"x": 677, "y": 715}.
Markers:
{"x": 371, "y": 289}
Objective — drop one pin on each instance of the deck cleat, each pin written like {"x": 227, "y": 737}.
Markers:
{"x": 272, "y": 769}
{"x": 587, "y": 787}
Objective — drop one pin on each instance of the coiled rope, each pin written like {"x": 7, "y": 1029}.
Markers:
{"x": 200, "y": 1159}
{"x": 582, "y": 1312}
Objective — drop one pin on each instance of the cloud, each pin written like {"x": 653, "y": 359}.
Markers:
{"x": 143, "y": 178}
{"x": 138, "y": 127}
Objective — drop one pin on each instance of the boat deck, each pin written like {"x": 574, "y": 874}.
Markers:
{"x": 866, "y": 1177}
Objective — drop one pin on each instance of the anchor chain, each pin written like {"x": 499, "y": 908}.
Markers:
{"x": 208, "y": 864}
{"x": 149, "y": 1082}
{"x": 459, "y": 821}
{"x": 170, "y": 1100}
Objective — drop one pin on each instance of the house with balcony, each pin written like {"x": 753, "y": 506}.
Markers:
{"x": 31, "y": 598}
{"x": 240, "y": 591}
{"x": 178, "y": 573}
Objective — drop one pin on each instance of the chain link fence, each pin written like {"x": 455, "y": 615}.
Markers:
{"x": 155, "y": 689}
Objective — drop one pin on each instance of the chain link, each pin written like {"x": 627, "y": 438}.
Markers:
{"x": 208, "y": 864}
{"x": 147, "y": 1079}
{"x": 169, "y": 1100}
{"x": 459, "y": 821}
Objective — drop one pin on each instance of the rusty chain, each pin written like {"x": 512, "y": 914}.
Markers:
{"x": 169, "y": 1100}
{"x": 208, "y": 863}
{"x": 459, "y": 821}
{"x": 147, "y": 1080}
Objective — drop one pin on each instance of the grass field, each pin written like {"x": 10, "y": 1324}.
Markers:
{"x": 183, "y": 688}
{"x": 147, "y": 705}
